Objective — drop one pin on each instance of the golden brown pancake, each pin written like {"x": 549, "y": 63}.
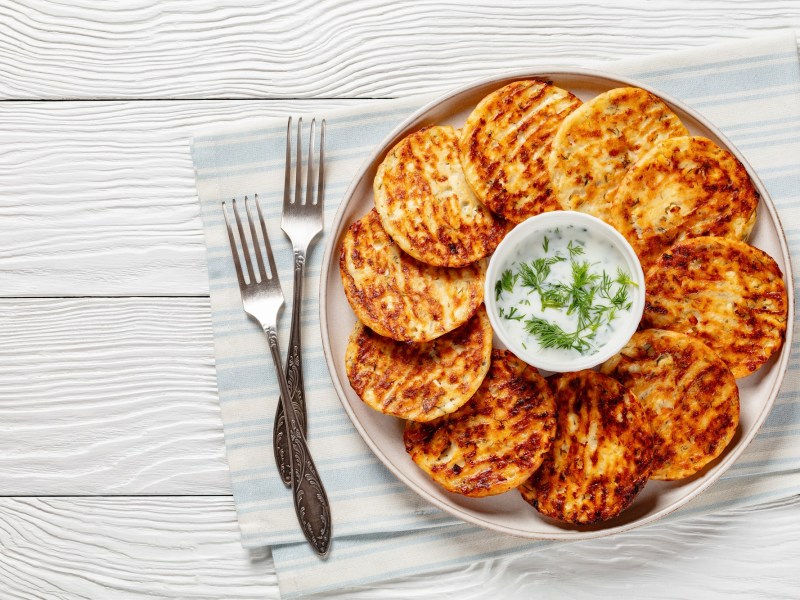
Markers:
{"x": 726, "y": 293}
{"x": 398, "y": 296}
{"x": 602, "y": 454}
{"x": 689, "y": 393}
{"x": 505, "y": 145}
{"x": 426, "y": 205}
{"x": 493, "y": 442}
{"x": 600, "y": 140}
{"x": 421, "y": 381}
{"x": 684, "y": 187}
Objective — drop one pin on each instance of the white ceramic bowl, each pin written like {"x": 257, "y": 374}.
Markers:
{"x": 624, "y": 325}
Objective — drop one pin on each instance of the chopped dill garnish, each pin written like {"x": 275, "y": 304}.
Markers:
{"x": 551, "y": 335}
{"x": 575, "y": 250}
{"x": 593, "y": 296}
{"x": 534, "y": 274}
{"x": 624, "y": 279}
{"x": 511, "y": 315}
{"x": 505, "y": 283}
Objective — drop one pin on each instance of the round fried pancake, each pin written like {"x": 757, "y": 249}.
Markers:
{"x": 505, "y": 145}
{"x": 496, "y": 440}
{"x": 684, "y": 187}
{"x": 599, "y": 141}
{"x": 426, "y": 205}
{"x": 419, "y": 382}
{"x": 689, "y": 394}
{"x": 398, "y": 296}
{"x": 728, "y": 294}
{"x": 601, "y": 456}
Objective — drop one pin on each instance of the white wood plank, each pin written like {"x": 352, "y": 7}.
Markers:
{"x": 109, "y": 396}
{"x": 743, "y": 554}
{"x": 188, "y": 548}
{"x": 251, "y": 48}
{"x": 128, "y": 548}
{"x": 105, "y": 401}
{"x": 98, "y": 198}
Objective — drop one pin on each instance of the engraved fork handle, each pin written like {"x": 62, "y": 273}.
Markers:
{"x": 310, "y": 500}
{"x": 294, "y": 377}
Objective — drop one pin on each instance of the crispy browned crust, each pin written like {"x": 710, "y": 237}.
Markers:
{"x": 426, "y": 205}
{"x": 689, "y": 394}
{"x": 496, "y": 440}
{"x": 601, "y": 456}
{"x": 726, "y": 293}
{"x": 600, "y": 140}
{"x": 422, "y": 381}
{"x": 505, "y": 145}
{"x": 683, "y": 188}
{"x": 398, "y": 296}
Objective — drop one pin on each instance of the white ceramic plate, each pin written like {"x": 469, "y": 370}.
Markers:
{"x": 508, "y": 512}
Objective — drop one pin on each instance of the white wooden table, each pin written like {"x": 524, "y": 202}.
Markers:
{"x": 112, "y": 467}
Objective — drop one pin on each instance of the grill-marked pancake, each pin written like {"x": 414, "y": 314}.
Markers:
{"x": 398, "y": 296}
{"x": 419, "y": 382}
{"x": 601, "y": 456}
{"x": 505, "y": 145}
{"x": 600, "y": 140}
{"x": 689, "y": 394}
{"x": 728, "y": 294}
{"x": 426, "y": 205}
{"x": 684, "y": 187}
{"x": 496, "y": 440}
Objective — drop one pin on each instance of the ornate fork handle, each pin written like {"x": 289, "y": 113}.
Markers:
{"x": 294, "y": 377}
{"x": 310, "y": 500}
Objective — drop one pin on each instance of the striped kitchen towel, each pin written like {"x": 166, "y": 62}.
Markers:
{"x": 749, "y": 89}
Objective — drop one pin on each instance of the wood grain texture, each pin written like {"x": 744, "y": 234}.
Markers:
{"x": 109, "y": 396}
{"x": 712, "y": 557}
{"x": 98, "y": 198}
{"x": 334, "y": 48}
{"x": 128, "y": 548}
{"x": 188, "y": 548}
{"x": 116, "y": 396}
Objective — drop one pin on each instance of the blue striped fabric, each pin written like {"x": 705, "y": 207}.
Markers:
{"x": 750, "y": 89}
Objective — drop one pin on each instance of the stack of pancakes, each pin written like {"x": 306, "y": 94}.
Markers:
{"x": 579, "y": 446}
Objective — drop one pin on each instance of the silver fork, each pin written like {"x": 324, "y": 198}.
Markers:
{"x": 301, "y": 222}
{"x": 262, "y": 298}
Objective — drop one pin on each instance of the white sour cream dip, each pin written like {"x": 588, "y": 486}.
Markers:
{"x": 563, "y": 292}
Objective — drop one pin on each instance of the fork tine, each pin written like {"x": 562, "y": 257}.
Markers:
{"x": 309, "y": 166}
{"x": 298, "y": 167}
{"x": 321, "y": 166}
{"x": 287, "y": 177}
{"x": 273, "y": 271}
{"x": 245, "y": 249}
{"x": 234, "y": 250}
{"x": 254, "y": 237}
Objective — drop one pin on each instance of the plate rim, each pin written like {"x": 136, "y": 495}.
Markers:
{"x": 547, "y": 73}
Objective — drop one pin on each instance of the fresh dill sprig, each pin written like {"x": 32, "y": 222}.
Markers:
{"x": 593, "y": 297}
{"x": 581, "y": 277}
{"x": 505, "y": 283}
{"x": 512, "y": 315}
{"x": 532, "y": 275}
{"x": 624, "y": 278}
{"x": 620, "y": 298}
{"x": 551, "y": 335}
{"x": 554, "y": 296}
{"x": 575, "y": 250}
